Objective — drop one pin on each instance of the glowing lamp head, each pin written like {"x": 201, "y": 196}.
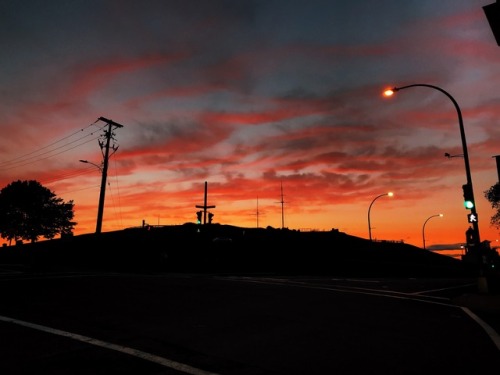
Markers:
{"x": 390, "y": 194}
{"x": 391, "y": 91}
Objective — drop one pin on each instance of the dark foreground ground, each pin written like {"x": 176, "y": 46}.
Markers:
{"x": 156, "y": 323}
{"x": 243, "y": 301}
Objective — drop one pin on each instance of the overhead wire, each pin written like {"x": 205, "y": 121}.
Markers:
{"x": 35, "y": 156}
{"x": 58, "y": 147}
{"x": 70, "y": 174}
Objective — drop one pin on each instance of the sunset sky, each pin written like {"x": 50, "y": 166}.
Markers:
{"x": 251, "y": 96}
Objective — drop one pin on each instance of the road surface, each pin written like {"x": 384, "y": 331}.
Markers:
{"x": 164, "y": 323}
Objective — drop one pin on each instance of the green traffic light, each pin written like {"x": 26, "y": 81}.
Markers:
{"x": 469, "y": 204}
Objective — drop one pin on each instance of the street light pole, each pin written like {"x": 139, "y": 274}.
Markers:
{"x": 425, "y": 222}
{"x": 475, "y": 225}
{"x": 390, "y": 194}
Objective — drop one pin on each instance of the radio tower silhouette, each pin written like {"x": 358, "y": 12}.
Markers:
{"x": 282, "y": 208}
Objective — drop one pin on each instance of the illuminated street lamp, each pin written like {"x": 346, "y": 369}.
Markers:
{"x": 425, "y": 222}
{"x": 390, "y": 92}
{"x": 390, "y": 194}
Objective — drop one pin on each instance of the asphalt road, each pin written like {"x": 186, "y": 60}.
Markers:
{"x": 117, "y": 323}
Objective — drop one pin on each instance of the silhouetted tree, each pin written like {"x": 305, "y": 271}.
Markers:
{"x": 29, "y": 210}
{"x": 493, "y": 196}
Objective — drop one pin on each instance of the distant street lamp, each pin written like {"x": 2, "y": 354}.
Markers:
{"x": 449, "y": 156}
{"x": 425, "y": 222}
{"x": 390, "y": 194}
{"x": 390, "y": 92}
{"x": 89, "y": 162}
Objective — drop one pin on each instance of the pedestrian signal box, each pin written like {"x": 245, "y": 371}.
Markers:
{"x": 472, "y": 218}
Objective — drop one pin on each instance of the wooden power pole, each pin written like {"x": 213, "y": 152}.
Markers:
{"x": 108, "y": 134}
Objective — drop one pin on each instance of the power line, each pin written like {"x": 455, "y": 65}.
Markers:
{"x": 70, "y": 174}
{"x": 49, "y": 151}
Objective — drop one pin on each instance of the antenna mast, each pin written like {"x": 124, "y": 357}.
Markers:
{"x": 282, "y": 208}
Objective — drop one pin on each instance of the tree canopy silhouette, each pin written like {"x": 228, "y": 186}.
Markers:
{"x": 493, "y": 196}
{"x": 29, "y": 210}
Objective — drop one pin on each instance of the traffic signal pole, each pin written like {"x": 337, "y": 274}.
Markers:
{"x": 205, "y": 207}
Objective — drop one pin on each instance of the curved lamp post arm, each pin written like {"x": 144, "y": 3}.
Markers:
{"x": 425, "y": 222}
{"x": 460, "y": 123}
{"x": 369, "y": 209}
{"x": 464, "y": 144}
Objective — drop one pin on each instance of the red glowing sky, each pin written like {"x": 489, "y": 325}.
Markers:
{"x": 251, "y": 96}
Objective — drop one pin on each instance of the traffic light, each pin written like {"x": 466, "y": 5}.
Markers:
{"x": 468, "y": 199}
{"x": 198, "y": 217}
{"x": 210, "y": 216}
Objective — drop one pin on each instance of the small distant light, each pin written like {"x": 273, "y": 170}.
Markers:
{"x": 390, "y": 194}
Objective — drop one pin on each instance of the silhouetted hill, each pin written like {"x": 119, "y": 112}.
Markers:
{"x": 225, "y": 248}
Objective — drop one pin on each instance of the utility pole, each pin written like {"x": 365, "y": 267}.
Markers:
{"x": 108, "y": 134}
{"x": 205, "y": 207}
